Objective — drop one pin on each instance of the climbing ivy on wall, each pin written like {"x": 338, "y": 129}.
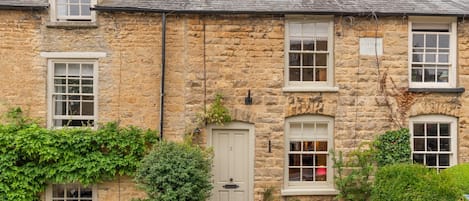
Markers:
{"x": 32, "y": 156}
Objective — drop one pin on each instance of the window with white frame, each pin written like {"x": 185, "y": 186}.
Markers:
{"x": 308, "y": 162}
{"x": 72, "y": 91}
{"x": 433, "y": 141}
{"x": 309, "y": 52}
{"x": 72, "y": 10}
{"x": 71, "y": 192}
{"x": 432, "y": 52}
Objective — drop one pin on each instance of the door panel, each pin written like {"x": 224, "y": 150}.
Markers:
{"x": 231, "y": 165}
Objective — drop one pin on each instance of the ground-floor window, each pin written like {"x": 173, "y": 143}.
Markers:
{"x": 434, "y": 139}
{"x": 71, "y": 192}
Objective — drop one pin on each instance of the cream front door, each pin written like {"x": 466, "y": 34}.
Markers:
{"x": 231, "y": 165}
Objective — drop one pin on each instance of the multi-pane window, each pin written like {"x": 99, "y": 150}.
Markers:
{"x": 308, "y": 53}
{"x": 73, "y": 93}
{"x": 72, "y": 10}
{"x": 433, "y": 141}
{"x": 308, "y": 159}
{"x": 432, "y": 59}
{"x": 71, "y": 192}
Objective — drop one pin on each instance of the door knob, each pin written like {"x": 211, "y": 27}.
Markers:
{"x": 231, "y": 179}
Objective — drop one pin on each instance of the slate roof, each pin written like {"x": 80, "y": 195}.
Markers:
{"x": 24, "y": 4}
{"x": 381, "y": 7}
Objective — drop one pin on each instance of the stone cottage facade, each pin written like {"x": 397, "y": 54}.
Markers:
{"x": 321, "y": 75}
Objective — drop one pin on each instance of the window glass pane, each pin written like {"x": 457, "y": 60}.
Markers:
{"x": 294, "y": 160}
{"x": 443, "y": 160}
{"x": 295, "y": 129}
{"x": 321, "y": 174}
{"x": 74, "y": 70}
{"x": 429, "y": 75}
{"x": 88, "y": 108}
{"x": 417, "y": 57}
{"x": 322, "y": 29}
{"x": 443, "y": 41}
{"x": 60, "y": 69}
{"x": 59, "y": 89}
{"x": 418, "y": 40}
{"x": 445, "y": 144}
{"x": 308, "y": 29}
{"x": 60, "y": 108}
{"x": 419, "y": 144}
{"x": 307, "y": 174}
{"x": 74, "y": 1}
{"x": 295, "y": 146}
{"x": 430, "y": 159}
{"x": 308, "y": 146}
{"x": 307, "y": 159}
{"x": 321, "y": 160}
{"x": 72, "y": 190}
{"x": 419, "y": 129}
{"x": 321, "y": 146}
{"x": 321, "y": 129}
{"x": 308, "y": 45}
{"x": 74, "y": 10}
{"x": 74, "y": 108}
{"x": 85, "y": 10}
{"x": 86, "y": 192}
{"x": 294, "y": 59}
{"x": 443, "y": 58}
{"x": 418, "y": 158}
{"x": 430, "y": 40}
{"x": 87, "y": 89}
{"x": 62, "y": 10}
{"x": 58, "y": 191}
{"x": 87, "y": 70}
{"x": 85, "y": 1}
{"x": 432, "y": 144}
{"x": 321, "y": 74}
{"x": 294, "y": 74}
{"x": 295, "y": 44}
{"x": 432, "y": 129}
{"x": 321, "y": 45}
{"x": 294, "y": 174}
{"x": 308, "y": 59}
{"x": 444, "y": 129}
{"x": 308, "y": 129}
{"x": 308, "y": 74}
{"x": 321, "y": 59}
{"x": 430, "y": 58}
{"x": 442, "y": 75}
{"x": 416, "y": 75}
{"x": 295, "y": 29}
{"x": 74, "y": 97}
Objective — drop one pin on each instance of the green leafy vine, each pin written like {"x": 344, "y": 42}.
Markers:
{"x": 32, "y": 156}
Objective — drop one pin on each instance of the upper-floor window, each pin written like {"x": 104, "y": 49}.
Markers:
{"x": 71, "y": 192}
{"x": 309, "y": 52}
{"x": 434, "y": 140}
{"x": 308, "y": 162}
{"x": 432, "y": 52}
{"x": 72, "y": 92}
{"x": 72, "y": 10}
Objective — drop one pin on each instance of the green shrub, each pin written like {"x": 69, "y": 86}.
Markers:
{"x": 413, "y": 182}
{"x": 393, "y": 147}
{"x": 352, "y": 177}
{"x": 460, "y": 174}
{"x": 176, "y": 171}
{"x": 32, "y": 156}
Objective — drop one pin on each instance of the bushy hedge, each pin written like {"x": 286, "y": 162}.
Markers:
{"x": 176, "y": 171}
{"x": 393, "y": 147}
{"x": 413, "y": 182}
{"x": 31, "y": 156}
{"x": 460, "y": 174}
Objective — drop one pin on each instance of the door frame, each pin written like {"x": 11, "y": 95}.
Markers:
{"x": 239, "y": 126}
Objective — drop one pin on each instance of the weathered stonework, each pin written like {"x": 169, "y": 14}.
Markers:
{"x": 230, "y": 54}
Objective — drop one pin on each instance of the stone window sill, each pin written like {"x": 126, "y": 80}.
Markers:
{"x": 72, "y": 25}
{"x": 438, "y": 90}
{"x": 310, "y": 89}
{"x": 320, "y": 191}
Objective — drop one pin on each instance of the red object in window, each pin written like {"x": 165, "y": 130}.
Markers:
{"x": 321, "y": 171}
